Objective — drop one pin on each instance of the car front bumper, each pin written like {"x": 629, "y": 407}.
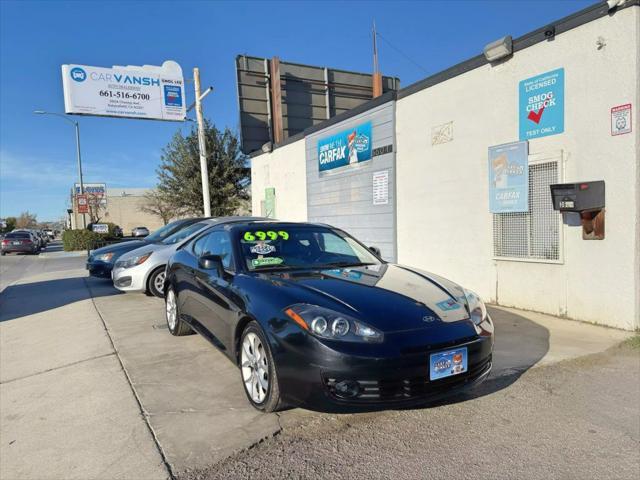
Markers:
{"x": 129, "y": 279}
{"x": 99, "y": 269}
{"x": 311, "y": 378}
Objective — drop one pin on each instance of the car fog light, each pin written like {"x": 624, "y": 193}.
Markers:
{"x": 340, "y": 327}
{"x": 347, "y": 388}
{"x": 319, "y": 325}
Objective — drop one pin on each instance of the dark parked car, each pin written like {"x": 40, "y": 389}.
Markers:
{"x": 21, "y": 241}
{"x": 101, "y": 261}
{"x": 313, "y": 317}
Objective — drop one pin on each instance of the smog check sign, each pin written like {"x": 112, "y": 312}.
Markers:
{"x": 541, "y": 105}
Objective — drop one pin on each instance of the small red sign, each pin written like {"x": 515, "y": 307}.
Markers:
{"x": 83, "y": 203}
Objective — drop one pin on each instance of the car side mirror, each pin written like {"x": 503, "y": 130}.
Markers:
{"x": 375, "y": 250}
{"x": 211, "y": 262}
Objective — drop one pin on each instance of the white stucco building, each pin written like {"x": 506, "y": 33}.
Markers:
{"x": 422, "y": 189}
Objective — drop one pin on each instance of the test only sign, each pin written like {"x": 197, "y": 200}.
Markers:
{"x": 348, "y": 147}
{"x": 541, "y": 105}
{"x": 148, "y": 92}
{"x": 509, "y": 178}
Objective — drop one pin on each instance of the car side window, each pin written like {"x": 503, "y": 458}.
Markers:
{"x": 215, "y": 243}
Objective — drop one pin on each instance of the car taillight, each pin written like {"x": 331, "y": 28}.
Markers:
{"x": 27, "y": 242}
{"x": 5, "y": 242}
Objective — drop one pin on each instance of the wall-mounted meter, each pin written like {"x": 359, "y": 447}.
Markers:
{"x": 586, "y": 199}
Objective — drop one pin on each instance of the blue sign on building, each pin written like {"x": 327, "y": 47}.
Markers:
{"x": 348, "y": 147}
{"x": 509, "y": 178}
{"x": 541, "y": 111}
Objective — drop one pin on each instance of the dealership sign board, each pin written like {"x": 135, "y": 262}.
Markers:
{"x": 541, "y": 110}
{"x": 348, "y": 147}
{"x": 509, "y": 178}
{"x": 93, "y": 191}
{"x": 148, "y": 92}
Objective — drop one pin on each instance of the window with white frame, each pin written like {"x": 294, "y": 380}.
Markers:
{"x": 532, "y": 235}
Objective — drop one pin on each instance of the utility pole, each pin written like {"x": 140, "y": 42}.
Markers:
{"x": 84, "y": 220}
{"x": 377, "y": 76}
{"x": 204, "y": 169}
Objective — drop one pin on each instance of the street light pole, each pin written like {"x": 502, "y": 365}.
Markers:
{"x": 78, "y": 155}
{"x": 204, "y": 169}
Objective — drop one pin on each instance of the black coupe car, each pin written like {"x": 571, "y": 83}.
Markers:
{"x": 312, "y": 317}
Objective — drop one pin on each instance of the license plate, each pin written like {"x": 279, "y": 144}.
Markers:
{"x": 15, "y": 243}
{"x": 446, "y": 364}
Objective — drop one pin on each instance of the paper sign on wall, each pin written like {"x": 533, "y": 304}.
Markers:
{"x": 509, "y": 178}
{"x": 541, "y": 111}
{"x": 621, "y": 119}
{"x": 381, "y": 187}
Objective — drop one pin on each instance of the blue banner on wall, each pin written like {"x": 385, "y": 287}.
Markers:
{"x": 348, "y": 147}
{"x": 509, "y": 178}
{"x": 541, "y": 109}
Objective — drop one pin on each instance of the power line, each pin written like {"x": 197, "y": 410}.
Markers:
{"x": 402, "y": 53}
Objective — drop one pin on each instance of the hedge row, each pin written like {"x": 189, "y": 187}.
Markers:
{"x": 85, "y": 239}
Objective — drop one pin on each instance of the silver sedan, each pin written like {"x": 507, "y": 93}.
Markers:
{"x": 142, "y": 269}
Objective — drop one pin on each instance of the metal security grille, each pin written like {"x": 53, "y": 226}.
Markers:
{"x": 534, "y": 234}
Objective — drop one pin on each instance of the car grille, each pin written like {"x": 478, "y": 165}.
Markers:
{"x": 402, "y": 389}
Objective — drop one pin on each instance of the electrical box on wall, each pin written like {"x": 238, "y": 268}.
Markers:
{"x": 585, "y": 198}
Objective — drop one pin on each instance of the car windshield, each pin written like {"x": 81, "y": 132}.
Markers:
{"x": 284, "y": 247}
{"x": 163, "y": 232}
{"x": 184, "y": 233}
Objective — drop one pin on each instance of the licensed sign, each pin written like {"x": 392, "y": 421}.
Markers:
{"x": 621, "y": 119}
{"x": 509, "y": 178}
{"x": 149, "y": 92}
{"x": 348, "y": 147}
{"x": 541, "y": 111}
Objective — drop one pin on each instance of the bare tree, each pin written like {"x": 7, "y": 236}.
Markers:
{"x": 96, "y": 207}
{"x": 156, "y": 204}
{"x": 26, "y": 220}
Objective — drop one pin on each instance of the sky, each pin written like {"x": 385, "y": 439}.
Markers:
{"x": 37, "y": 152}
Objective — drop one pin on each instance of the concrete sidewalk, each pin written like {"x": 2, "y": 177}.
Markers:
{"x": 67, "y": 409}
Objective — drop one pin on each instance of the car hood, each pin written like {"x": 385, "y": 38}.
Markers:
{"x": 120, "y": 247}
{"x": 148, "y": 247}
{"x": 389, "y": 297}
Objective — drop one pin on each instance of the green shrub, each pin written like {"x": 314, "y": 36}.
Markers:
{"x": 81, "y": 239}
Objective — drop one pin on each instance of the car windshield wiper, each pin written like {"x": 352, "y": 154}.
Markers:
{"x": 343, "y": 265}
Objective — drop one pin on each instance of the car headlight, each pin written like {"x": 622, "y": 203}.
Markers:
{"x": 104, "y": 257}
{"x": 133, "y": 261}
{"x": 477, "y": 310}
{"x": 326, "y": 323}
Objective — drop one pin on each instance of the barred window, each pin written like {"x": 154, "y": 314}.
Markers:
{"x": 534, "y": 234}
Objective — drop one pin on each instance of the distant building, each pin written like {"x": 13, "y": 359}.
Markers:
{"x": 123, "y": 207}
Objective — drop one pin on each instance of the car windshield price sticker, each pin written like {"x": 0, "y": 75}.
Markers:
{"x": 259, "y": 236}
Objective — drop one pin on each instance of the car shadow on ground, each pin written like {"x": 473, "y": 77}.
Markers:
{"x": 18, "y": 301}
{"x": 519, "y": 344}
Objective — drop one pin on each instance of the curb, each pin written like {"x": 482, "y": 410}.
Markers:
{"x": 62, "y": 254}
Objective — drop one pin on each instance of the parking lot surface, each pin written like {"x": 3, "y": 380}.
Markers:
{"x": 93, "y": 386}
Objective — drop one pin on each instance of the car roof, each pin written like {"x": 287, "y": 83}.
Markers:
{"x": 256, "y": 220}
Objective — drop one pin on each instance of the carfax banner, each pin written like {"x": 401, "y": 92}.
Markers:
{"x": 541, "y": 111}
{"x": 509, "y": 178}
{"x": 348, "y": 147}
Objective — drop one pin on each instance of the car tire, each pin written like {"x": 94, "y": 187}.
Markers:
{"x": 252, "y": 369}
{"x": 155, "y": 283}
{"x": 177, "y": 326}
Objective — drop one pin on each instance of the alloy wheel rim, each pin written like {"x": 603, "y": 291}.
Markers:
{"x": 255, "y": 367}
{"x": 171, "y": 310}
{"x": 158, "y": 282}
